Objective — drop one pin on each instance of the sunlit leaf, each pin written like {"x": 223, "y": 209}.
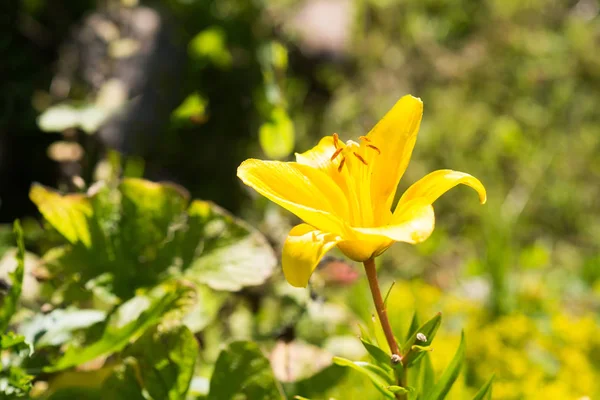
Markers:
{"x": 57, "y": 326}
{"x": 194, "y": 106}
{"x": 68, "y": 214}
{"x": 211, "y": 45}
{"x": 242, "y": 371}
{"x": 231, "y": 253}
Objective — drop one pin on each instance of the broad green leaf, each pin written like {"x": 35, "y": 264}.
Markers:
{"x": 485, "y": 393}
{"x": 128, "y": 322}
{"x": 11, "y": 299}
{"x": 166, "y": 356}
{"x": 225, "y": 253}
{"x": 277, "y": 135}
{"x": 205, "y": 309}
{"x": 150, "y": 213}
{"x": 429, "y": 329}
{"x": 57, "y": 326}
{"x": 140, "y": 232}
{"x": 380, "y": 356}
{"x": 123, "y": 383}
{"x": 443, "y": 386}
{"x": 376, "y": 375}
{"x": 242, "y": 370}
{"x": 68, "y": 214}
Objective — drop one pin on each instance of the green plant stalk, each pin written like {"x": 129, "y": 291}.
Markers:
{"x": 385, "y": 323}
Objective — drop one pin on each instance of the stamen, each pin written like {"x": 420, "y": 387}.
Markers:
{"x": 341, "y": 164}
{"x": 337, "y": 152}
{"x": 335, "y": 140}
{"x": 374, "y": 148}
{"x": 366, "y": 139}
{"x": 360, "y": 158}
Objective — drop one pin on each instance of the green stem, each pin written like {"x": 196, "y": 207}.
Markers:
{"x": 385, "y": 323}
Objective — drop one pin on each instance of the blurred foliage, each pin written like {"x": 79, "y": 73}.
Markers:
{"x": 133, "y": 291}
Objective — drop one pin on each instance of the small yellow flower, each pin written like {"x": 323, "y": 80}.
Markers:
{"x": 344, "y": 193}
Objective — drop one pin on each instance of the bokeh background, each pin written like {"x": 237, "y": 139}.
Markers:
{"x": 184, "y": 90}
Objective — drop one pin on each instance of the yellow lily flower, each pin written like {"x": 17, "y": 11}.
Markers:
{"x": 344, "y": 193}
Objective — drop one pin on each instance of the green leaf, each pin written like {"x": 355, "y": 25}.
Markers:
{"x": 128, "y": 322}
{"x": 429, "y": 329}
{"x": 211, "y": 45}
{"x": 194, "y": 106}
{"x": 166, "y": 357}
{"x": 82, "y": 394}
{"x": 123, "y": 383}
{"x": 414, "y": 325}
{"x": 232, "y": 254}
{"x": 277, "y": 135}
{"x": 205, "y": 309}
{"x": 397, "y": 389}
{"x": 443, "y": 386}
{"x": 14, "y": 383}
{"x": 422, "y": 377}
{"x": 242, "y": 370}
{"x": 319, "y": 383}
{"x": 380, "y": 378}
{"x": 380, "y": 356}
{"x": 485, "y": 393}
{"x": 15, "y": 343}
{"x": 57, "y": 327}
{"x": 140, "y": 232}
{"x": 11, "y": 299}
{"x": 150, "y": 214}
{"x": 68, "y": 214}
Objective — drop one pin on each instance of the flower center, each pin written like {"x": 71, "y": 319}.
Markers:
{"x": 353, "y": 148}
{"x": 354, "y": 168}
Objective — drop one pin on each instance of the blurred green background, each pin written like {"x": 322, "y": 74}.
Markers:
{"x": 184, "y": 90}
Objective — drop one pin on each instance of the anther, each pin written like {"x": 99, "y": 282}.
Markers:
{"x": 360, "y": 158}
{"x": 341, "y": 164}
{"x": 374, "y": 148}
{"x": 337, "y": 152}
{"x": 336, "y": 140}
{"x": 366, "y": 139}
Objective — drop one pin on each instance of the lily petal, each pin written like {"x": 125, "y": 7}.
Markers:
{"x": 319, "y": 156}
{"x": 413, "y": 224}
{"x": 395, "y": 136}
{"x": 305, "y": 191}
{"x": 302, "y": 251}
{"x": 433, "y": 185}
